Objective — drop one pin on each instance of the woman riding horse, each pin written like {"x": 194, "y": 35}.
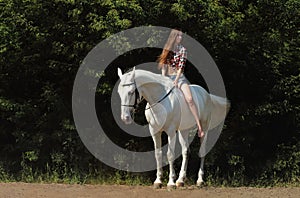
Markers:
{"x": 172, "y": 62}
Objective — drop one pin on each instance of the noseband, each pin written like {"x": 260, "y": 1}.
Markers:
{"x": 136, "y": 104}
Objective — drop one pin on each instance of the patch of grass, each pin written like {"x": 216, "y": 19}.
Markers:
{"x": 212, "y": 177}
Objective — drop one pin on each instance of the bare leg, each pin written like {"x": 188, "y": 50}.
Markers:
{"x": 188, "y": 97}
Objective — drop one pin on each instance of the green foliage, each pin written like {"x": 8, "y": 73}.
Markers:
{"x": 254, "y": 43}
{"x": 286, "y": 166}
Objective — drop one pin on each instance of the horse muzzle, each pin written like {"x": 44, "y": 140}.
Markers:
{"x": 126, "y": 119}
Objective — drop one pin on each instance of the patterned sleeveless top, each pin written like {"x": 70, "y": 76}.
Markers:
{"x": 177, "y": 58}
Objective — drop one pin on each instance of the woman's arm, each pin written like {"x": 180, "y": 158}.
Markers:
{"x": 164, "y": 70}
{"x": 179, "y": 71}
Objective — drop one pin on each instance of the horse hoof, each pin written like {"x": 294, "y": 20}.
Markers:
{"x": 157, "y": 185}
{"x": 200, "y": 184}
{"x": 179, "y": 184}
{"x": 171, "y": 187}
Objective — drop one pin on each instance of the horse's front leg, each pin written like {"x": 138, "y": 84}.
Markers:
{"x": 171, "y": 157}
{"x": 200, "y": 180}
{"x": 158, "y": 156}
{"x": 183, "y": 140}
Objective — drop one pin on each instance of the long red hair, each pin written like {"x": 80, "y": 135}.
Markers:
{"x": 162, "y": 59}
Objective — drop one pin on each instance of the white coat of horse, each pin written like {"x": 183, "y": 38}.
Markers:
{"x": 168, "y": 111}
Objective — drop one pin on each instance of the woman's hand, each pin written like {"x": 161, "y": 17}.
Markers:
{"x": 179, "y": 71}
{"x": 175, "y": 83}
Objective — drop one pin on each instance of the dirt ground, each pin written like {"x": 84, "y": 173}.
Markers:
{"x": 24, "y": 190}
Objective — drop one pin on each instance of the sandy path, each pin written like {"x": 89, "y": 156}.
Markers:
{"x": 24, "y": 190}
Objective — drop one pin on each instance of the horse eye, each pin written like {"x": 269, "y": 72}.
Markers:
{"x": 131, "y": 92}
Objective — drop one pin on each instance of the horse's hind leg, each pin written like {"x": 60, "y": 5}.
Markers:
{"x": 201, "y": 170}
{"x": 200, "y": 173}
{"x": 183, "y": 140}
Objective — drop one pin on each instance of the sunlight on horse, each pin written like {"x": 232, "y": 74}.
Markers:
{"x": 168, "y": 111}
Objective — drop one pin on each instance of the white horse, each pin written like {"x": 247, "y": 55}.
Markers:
{"x": 168, "y": 111}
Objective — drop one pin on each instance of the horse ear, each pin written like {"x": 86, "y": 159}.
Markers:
{"x": 120, "y": 72}
{"x": 133, "y": 73}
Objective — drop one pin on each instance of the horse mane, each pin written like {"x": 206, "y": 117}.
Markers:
{"x": 150, "y": 77}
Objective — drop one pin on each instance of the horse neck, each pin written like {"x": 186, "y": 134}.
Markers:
{"x": 150, "y": 89}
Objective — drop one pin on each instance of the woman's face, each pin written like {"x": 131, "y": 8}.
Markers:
{"x": 178, "y": 38}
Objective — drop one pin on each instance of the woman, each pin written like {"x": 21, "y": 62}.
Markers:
{"x": 172, "y": 62}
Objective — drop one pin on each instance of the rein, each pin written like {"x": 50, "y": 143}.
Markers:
{"x": 161, "y": 98}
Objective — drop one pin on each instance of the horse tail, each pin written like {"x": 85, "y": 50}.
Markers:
{"x": 219, "y": 109}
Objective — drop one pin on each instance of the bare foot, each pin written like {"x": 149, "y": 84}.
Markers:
{"x": 200, "y": 133}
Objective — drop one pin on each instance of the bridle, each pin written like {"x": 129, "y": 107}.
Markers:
{"x": 136, "y": 103}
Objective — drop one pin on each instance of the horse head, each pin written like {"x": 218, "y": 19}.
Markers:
{"x": 127, "y": 92}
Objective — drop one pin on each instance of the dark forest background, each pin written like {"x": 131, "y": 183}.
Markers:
{"x": 255, "y": 44}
